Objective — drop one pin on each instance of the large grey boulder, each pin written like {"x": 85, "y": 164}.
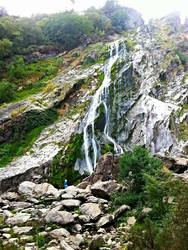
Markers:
{"x": 59, "y": 233}
{"x": 21, "y": 230}
{"x": 59, "y": 217}
{"x": 104, "y": 189}
{"x": 105, "y": 220}
{"x": 92, "y": 210}
{"x": 18, "y": 218}
{"x": 71, "y": 204}
{"x": 38, "y": 190}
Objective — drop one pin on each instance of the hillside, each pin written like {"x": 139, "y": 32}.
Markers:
{"x": 73, "y": 109}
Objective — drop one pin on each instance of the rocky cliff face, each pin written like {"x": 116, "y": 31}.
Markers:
{"x": 144, "y": 102}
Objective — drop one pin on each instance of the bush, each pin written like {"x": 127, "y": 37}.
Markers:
{"x": 182, "y": 57}
{"x": 135, "y": 164}
{"x": 7, "y": 91}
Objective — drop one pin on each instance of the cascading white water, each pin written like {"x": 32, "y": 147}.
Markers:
{"x": 99, "y": 98}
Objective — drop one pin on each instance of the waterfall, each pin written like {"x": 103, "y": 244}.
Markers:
{"x": 100, "y": 97}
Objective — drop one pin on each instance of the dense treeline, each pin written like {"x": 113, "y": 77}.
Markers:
{"x": 66, "y": 29}
{"x": 21, "y": 37}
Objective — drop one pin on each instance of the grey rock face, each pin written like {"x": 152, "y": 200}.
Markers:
{"x": 91, "y": 209}
{"x": 104, "y": 189}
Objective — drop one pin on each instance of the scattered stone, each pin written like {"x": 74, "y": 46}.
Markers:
{"x": 92, "y": 210}
{"x": 105, "y": 220}
{"x": 59, "y": 217}
{"x": 11, "y": 196}
{"x": 26, "y": 188}
{"x": 59, "y": 233}
{"x": 65, "y": 246}
{"x": 18, "y": 218}
{"x": 21, "y": 230}
{"x": 77, "y": 228}
{"x": 120, "y": 211}
{"x": 146, "y": 210}
{"x": 71, "y": 204}
{"x": 7, "y": 236}
{"x": 45, "y": 190}
{"x": 131, "y": 220}
{"x": 67, "y": 196}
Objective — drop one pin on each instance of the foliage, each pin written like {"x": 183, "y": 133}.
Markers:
{"x": 67, "y": 29}
{"x": 25, "y": 135}
{"x": 137, "y": 163}
{"x": 7, "y": 91}
{"x": 63, "y": 164}
{"x": 182, "y": 56}
{"x": 119, "y": 18}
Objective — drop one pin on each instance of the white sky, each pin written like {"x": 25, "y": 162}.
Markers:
{"x": 148, "y": 8}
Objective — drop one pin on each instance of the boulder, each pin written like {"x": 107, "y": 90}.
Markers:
{"x": 65, "y": 246}
{"x": 131, "y": 220}
{"x": 120, "y": 211}
{"x": 21, "y": 230}
{"x": 92, "y": 210}
{"x": 26, "y": 188}
{"x": 46, "y": 189}
{"x": 18, "y": 218}
{"x": 71, "y": 204}
{"x": 104, "y": 189}
{"x": 59, "y": 217}
{"x": 105, "y": 220}
{"x": 59, "y": 233}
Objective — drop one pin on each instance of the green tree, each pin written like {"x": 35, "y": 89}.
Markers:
{"x": 5, "y": 48}
{"x": 119, "y": 18}
{"x": 67, "y": 29}
{"x": 7, "y": 91}
{"x": 137, "y": 163}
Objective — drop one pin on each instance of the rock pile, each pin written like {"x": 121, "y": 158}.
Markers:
{"x": 39, "y": 216}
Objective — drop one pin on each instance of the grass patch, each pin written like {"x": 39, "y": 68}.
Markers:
{"x": 25, "y": 135}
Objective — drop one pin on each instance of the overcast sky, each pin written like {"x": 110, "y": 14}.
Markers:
{"x": 148, "y": 8}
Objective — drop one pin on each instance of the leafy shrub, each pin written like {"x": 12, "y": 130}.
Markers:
{"x": 137, "y": 163}
{"x": 7, "y": 91}
{"x": 182, "y": 57}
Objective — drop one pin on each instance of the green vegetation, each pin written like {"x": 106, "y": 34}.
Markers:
{"x": 24, "y": 135}
{"x": 147, "y": 185}
{"x": 63, "y": 164}
{"x": 182, "y": 56}
{"x": 22, "y": 80}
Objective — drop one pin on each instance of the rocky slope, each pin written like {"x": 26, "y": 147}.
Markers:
{"x": 147, "y": 102}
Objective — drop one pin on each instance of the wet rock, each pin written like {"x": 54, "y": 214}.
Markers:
{"x": 104, "y": 189}
{"x": 92, "y": 210}
{"x": 59, "y": 217}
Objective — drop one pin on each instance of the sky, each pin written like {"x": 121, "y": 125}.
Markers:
{"x": 148, "y": 8}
